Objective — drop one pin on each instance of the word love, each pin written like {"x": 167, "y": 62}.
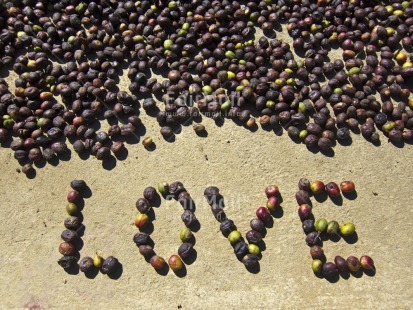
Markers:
{"x": 248, "y": 251}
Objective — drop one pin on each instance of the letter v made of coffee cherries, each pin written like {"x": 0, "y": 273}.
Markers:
{"x": 249, "y": 254}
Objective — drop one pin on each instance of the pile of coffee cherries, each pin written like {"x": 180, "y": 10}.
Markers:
{"x": 69, "y": 56}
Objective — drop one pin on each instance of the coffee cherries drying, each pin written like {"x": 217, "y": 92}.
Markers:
{"x": 72, "y": 224}
{"x": 86, "y": 264}
{"x": 347, "y": 229}
{"x": 246, "y": 253}
{"x": 314, "y": 228}
{"x": 175, "y": 263}
{"x": 329, "y": 270}
{"x": 332, "y": 189}
{"x": 234, "y": 73}
{"x": 367, "y": 263}
{"x": 157, "y": 262}
{"x": 177, "y": 191}
{"x": 317, "y": 187}
{"x": 347, "y": 187}
{"x": 263, "y": 214}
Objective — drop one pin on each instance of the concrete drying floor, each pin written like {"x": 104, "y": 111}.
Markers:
{"x": 241, "y": 163}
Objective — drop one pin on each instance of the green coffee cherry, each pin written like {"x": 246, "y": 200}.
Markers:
{"x": 8, "y": 123}
{"x": 303, "y": 134}
{"x": 231, "y": 75}
{"x": 317, "y": 266}
{"x": 71, "y": 208}
{"x": 98, "y": 261}
{"x": 253, "y": 249}
{"x": 172, "y": 5}
{"x": 163, "y": 188}
{"x": 388, "y": 126}
{"x": 234, "y": 236}
{"x": 207, "y": 89}
{"x": 270, "y": 104}
{"x": 226, "y": 106}
{"x": 185, "y": 235}
{"x": 354, "y": 70}
{"x": 230, "y": 54}
{"x": 167, "y": 44}
{"x": 347, "y": 229}
{"x": 321, "y": 225}
{"x": 81, "y": 8}
{"x": 302, "y": 108}
{"x": 333, "y": 228}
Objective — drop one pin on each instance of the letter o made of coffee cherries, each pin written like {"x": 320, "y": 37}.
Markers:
{"x": 314, "y": 228}
{"x": 143, "y": 240}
